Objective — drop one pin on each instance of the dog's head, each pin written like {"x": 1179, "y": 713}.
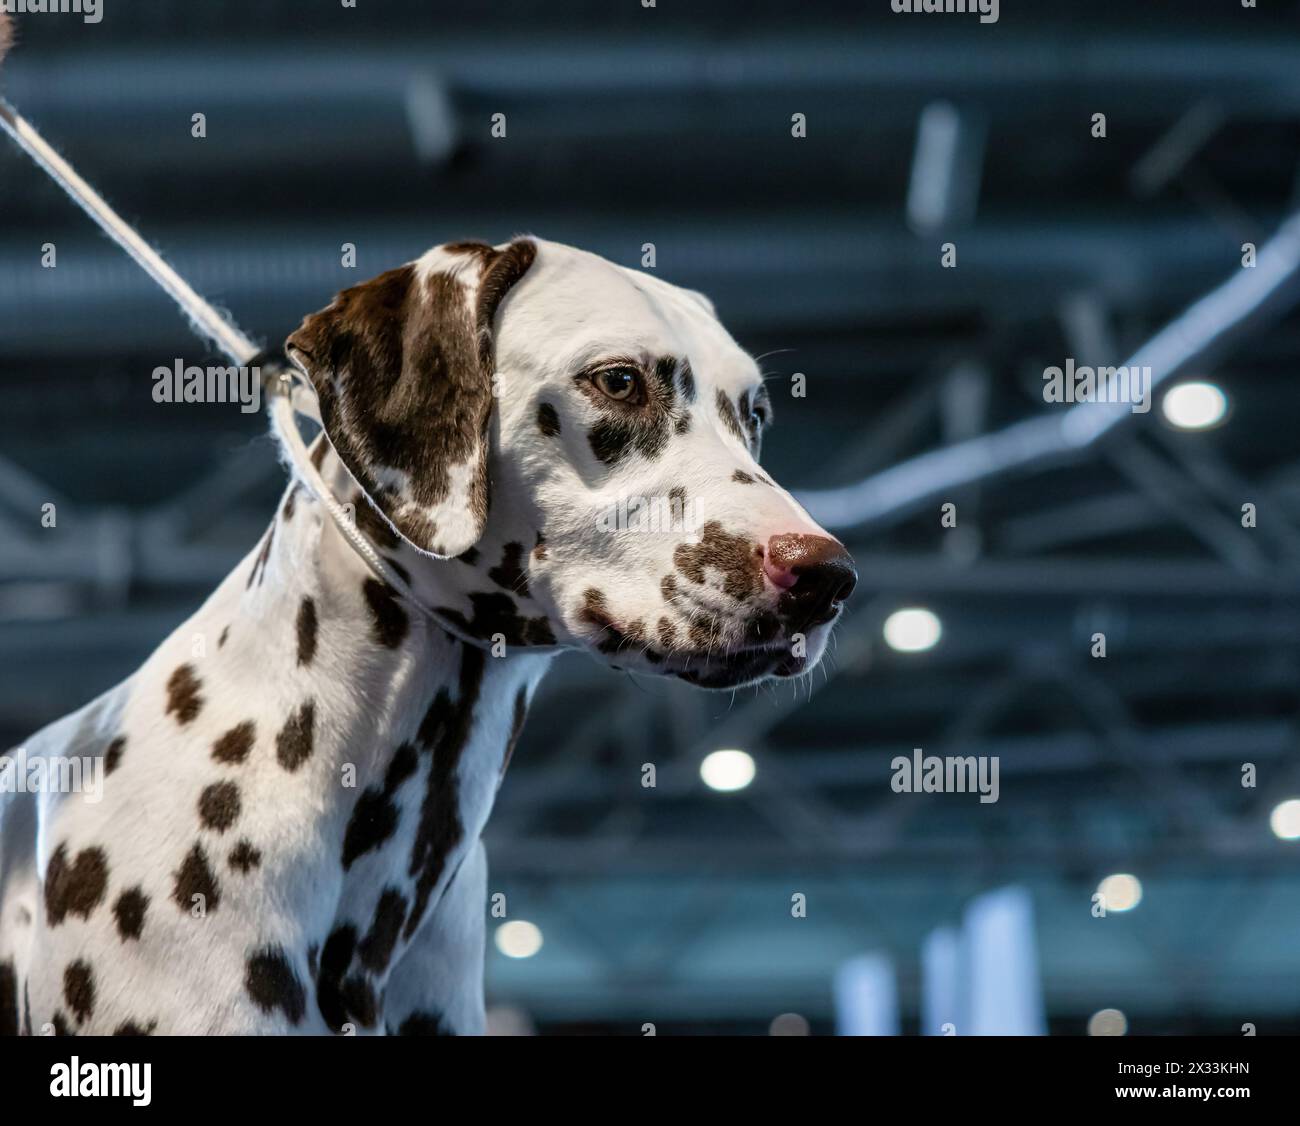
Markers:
{"x": 584, "y": 440}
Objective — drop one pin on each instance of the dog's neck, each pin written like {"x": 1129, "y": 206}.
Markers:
{"x": 454, "y": 604}
{"x": 482, "y": 595}
{"x": 389, "y": 687}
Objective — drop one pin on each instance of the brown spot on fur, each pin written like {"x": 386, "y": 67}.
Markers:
{"x": 686, "y": 383}
{"x": 79, "y": 990}
{"x": 742, "y": 478}
{"x": 617, "y": 436}
{"x": 677, "y": 507}
{"x": 444, "y": 734}
{"x": 730, "y": 419}
{"x": 132, "y": 1028}
{"x": 594, "y": 611}
{"x": 234, "y": 745}
{"x": 702, "y": 632}
{"x": 539, "y": 549}
{"x": 734, "y": 557}
{"x": 183, "y": 698}
{"x": 375, "y": 528}
{"x": 334, "y": 961}
{"x": 129, "y": 911}
{"x": 222, "y": 639}
{"x": 195, "y": 877}
{"x": 306, "y": 631}
{"x": 359, "y": 996}
{"x": 667, "y": 633}
{"x": 341, "y": 999}
{"x": 375, "y": 816}
{"x": 510, "y": 574}
{"x": 664, "y": 371}
{"x": 244, "y": 857}
{"x": 76, "y": 888}
{"x": 376, "y": 949}
{"x": 537, "y": 631}
{"x": 293, "y": 745}
{"x": 286, "y": 513}
{"x": 272, "y": 984}
{"x": 548, "y": 420}
{"x": 390, "y": 621}
{"x": 497, "y": 614}
{"x": 668, "y": 587}
{"x": 219, "y": 806}
{"x": 113, "y": 756}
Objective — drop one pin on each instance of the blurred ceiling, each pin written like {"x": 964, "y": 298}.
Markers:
{"x": 371, "y": 127}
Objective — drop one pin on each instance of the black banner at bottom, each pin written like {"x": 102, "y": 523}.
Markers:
{"x": 606, "y": 1074}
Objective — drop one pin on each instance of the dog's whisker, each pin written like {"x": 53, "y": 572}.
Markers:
{"x": 773, "y": 352}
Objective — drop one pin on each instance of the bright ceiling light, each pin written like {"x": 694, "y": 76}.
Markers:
{"x": 1285, "y": 820}
{"x": 727, "y": 770}
{"x": 1107, "y": 1022}
{"x": 789, "y": 1024}
{"x": 912, "y": 630}
{"x": 518, "y": 938}
{"x": 1120, "y": 892}
{"x": 1194, "y": 406}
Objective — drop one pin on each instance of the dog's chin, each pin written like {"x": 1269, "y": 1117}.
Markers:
{"x": 738, "y": 670}
{"x": 719, "y": 668}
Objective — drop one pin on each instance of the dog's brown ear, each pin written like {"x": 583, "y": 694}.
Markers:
{"x": 402, "y": 366}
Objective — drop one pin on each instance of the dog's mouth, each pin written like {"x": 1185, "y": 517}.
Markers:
{"x": 736, "y": 668}
{"x": 703, "y": 656}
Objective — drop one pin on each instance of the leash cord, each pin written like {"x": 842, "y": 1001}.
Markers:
{"x": 288, "y": 393}
{"x": 207, "y": 322}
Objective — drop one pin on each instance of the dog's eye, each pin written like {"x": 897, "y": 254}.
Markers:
{"x": 620, "y": 384}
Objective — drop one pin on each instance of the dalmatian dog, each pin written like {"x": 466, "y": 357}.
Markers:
{"x": 287, "y": 838}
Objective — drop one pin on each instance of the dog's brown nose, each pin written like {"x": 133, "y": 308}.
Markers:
{"x": 816, "y": 573}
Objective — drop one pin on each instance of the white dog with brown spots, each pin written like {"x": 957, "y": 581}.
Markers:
{"x": 297, "y": 779}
